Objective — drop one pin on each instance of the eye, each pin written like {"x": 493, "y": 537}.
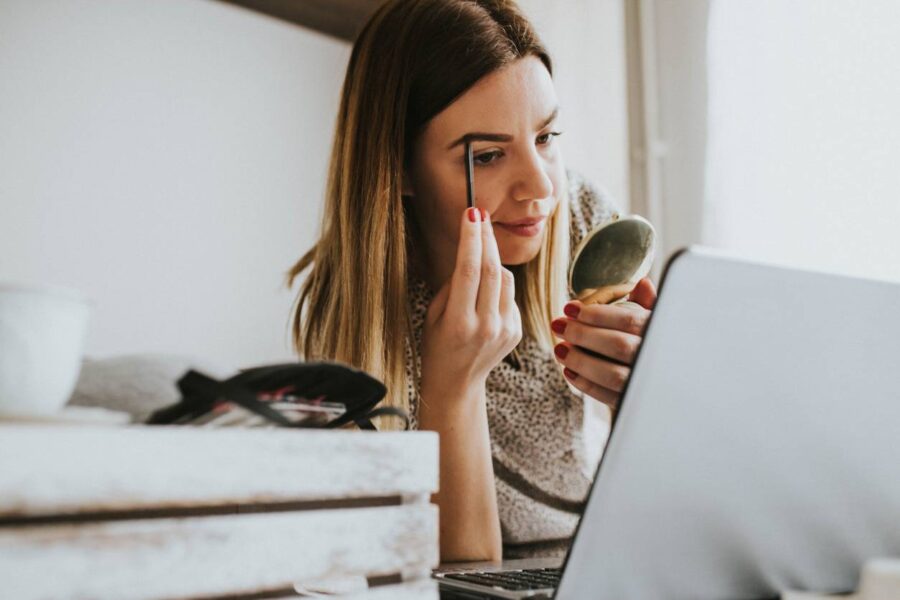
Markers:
{"x": 486, "y": 158}
{"x": 546, "y": 138}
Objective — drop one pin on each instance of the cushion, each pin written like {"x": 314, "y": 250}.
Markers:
{"x": 137, "y": 384}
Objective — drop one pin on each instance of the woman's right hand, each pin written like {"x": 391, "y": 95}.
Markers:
{"x": 473, "y": 321}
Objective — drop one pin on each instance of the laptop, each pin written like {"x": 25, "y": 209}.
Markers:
{"x": 756, "y": 448}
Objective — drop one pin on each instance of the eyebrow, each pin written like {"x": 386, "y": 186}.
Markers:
{"x": 478, "y": 136}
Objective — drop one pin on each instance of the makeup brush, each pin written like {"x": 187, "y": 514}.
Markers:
{"x": 470, "y": 176}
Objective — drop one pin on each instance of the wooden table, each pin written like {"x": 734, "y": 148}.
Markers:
{"x": 175, "y": 512}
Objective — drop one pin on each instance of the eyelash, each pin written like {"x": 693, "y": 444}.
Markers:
{"x": 497, "y": 153}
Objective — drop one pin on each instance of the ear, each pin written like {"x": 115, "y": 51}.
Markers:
{"x": 406, "y": 188}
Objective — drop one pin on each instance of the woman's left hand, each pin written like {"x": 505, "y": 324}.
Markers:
{"x": 610, "y": 331}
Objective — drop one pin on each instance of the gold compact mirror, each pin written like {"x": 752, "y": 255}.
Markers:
{"x": 611, "y": 259}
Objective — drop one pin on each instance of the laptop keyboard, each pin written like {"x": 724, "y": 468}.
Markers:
{"x": 519, "y": 580}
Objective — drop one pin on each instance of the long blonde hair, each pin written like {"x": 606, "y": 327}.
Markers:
{"x": 410, "y": 61}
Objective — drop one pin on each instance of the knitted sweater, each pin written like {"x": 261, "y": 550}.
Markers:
{"x": 535, "y": 419}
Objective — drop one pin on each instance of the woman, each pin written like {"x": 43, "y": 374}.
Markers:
{"x": 457, "y": 310}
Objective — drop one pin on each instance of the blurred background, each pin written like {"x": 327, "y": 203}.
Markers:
{"x": 168, "y": 158}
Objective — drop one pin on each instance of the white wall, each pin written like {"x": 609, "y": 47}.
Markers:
{"x": 168, "y": 158}
{"x": 805, "y": 134}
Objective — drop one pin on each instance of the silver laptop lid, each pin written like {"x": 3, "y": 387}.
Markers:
{"x": 758, "y": 443}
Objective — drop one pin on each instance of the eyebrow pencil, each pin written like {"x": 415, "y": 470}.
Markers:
{"x": 470, "y": 177}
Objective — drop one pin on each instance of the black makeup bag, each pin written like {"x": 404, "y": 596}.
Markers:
{"x": 342, "y": 394}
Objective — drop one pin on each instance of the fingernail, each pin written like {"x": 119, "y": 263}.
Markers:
{"x": 570, "y": 374}
{"x": 474, "y": 215}
{"x": 484, "y": 215}
{"x": 572, "y": 310}
{"x": 561, "y": 350}
{"x": 558, "y": 325}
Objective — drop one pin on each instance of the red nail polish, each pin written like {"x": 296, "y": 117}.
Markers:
{"x": 561, "y": 350}
{"x": 473, "y": 215}
{"x": 484, "y": 215}
{"x": 570, "y": 374}
{"x": 572, "y": 310}
{"x": 559, "y": 326}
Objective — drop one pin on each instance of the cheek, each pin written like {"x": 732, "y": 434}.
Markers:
{"x": 442, "y": 198}
{"x": 490, "y": 190}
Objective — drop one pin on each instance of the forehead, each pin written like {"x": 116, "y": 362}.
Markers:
{"x": 513, "y": 99}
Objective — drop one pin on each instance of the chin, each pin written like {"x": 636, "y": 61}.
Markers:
{"x": 519, "y": 254}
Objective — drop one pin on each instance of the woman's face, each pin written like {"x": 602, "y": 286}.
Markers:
{"x": 519, "y": 173}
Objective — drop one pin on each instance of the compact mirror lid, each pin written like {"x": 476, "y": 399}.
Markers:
{"x": 611, "y": 259}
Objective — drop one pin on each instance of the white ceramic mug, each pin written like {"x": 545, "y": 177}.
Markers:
{"x": 42, "y": 331}
{"x": 880, "y": 580}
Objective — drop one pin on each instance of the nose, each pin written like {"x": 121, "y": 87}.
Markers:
{"x": 532, "y": 181}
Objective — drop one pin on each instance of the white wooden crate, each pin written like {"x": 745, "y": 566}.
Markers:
{"x": 176, "y": 512}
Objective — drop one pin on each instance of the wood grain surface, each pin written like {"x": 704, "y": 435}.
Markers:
{"x": 342, "y": 19}
{"x": 206, "y": 556}
{"x": 72, "y": 470}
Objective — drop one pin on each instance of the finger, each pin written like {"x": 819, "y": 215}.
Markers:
{"x": 467, "y": 273}
{"x": 508, "y": 292}
{"x": 605, "y": 294}
{"x": 599, "y": 393}
{"x": 611, "y": 343}
{"x": 491, "y": 281}
{"x": 509, "y": 310}
{"x": 609, "y": 316}
{"x": 607, "y": 374}
{"x": 644, "y": 293}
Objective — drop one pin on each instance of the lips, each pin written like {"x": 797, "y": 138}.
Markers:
{"x": 521, "y": 222}
{"x": 529, "y": 227}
